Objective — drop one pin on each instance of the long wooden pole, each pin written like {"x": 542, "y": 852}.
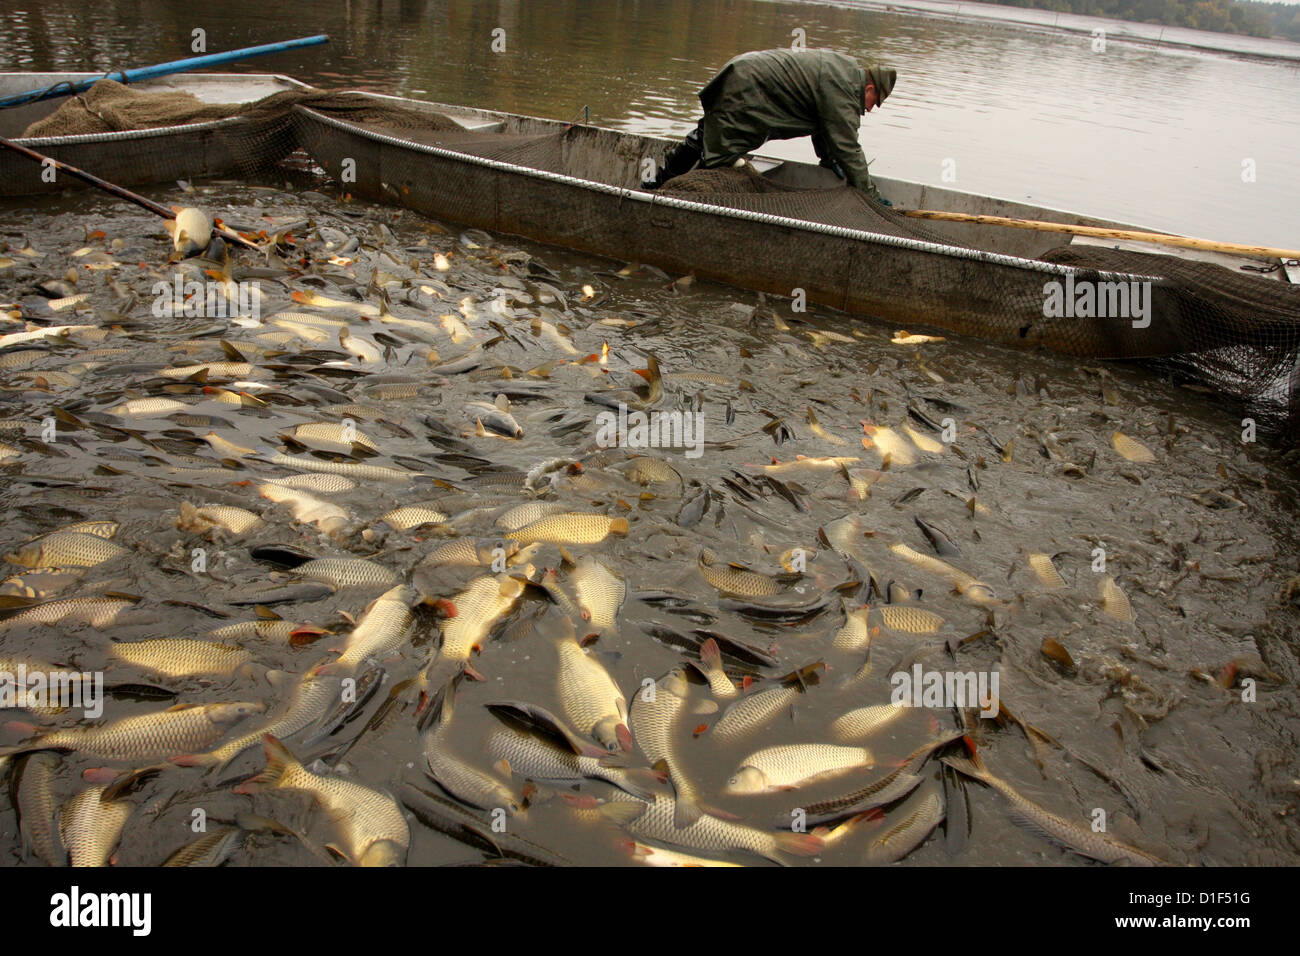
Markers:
{"x": 156, "y": 208}
{"x": 1162, "y": 238}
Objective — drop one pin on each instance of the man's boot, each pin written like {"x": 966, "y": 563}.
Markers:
{"x": 682, "y": 158}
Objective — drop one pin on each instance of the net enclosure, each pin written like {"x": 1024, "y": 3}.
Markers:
{"x": 1235, "y": 331}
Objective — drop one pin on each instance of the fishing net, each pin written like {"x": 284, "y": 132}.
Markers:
{"x": 1229, "y": 330}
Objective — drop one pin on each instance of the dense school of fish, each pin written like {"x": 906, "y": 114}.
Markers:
{"x": 355, "y": 549}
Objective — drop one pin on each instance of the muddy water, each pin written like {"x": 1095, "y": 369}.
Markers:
{"x": 1201, "y": 540}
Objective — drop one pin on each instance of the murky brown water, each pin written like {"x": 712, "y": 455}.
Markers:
{"x": 1201, "y": 539}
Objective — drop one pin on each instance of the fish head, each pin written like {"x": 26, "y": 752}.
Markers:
{"x": 28, "y": 556}
{"x": 747, "y": 780}
{"x": 384, "y": 853}
{"x": 613, "y": 735}
{"x": 233, "y": 712}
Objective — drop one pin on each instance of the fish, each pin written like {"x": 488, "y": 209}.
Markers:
{"x": 710, "y": 668}
{"x": 33, "y": 798}
{"x": 226, "y": 517}
{"x": 181, "y": 657}
{"x": 525, "y": 514}
{"x": 90, "y": 827}
{"x": 907, "y": 827}
{"x": 924, "y": 442}
{"x": 335, "y": 433}
{"x": 658, "y": 820}
{"x": 312, "y": 696}
{"x": 325, "y": 484}
{"x": 460, "y": 779}
{"x": 649, "y": 471}
{"x": 151, "y": 736}
{"x": 380, "y": 632}
{"x": 1131, "y": 449}
{"x": 347, "y": 572}
{"x": 790, "y": 766}
{"x": 735, "y": 578}
{"x": 903, "y": 337}
{"x": 855, "y": 635}
{"x": 1114, "y": 602}
{"x": 1045, "y": 570}
{"x": 324, "y": 302}
{"x": 590, "y": 698}
{"x": 889, "y": 443}
{"x": 538, "y": 758}
{"x": 470, "y": 552}
{"x": 570, "y": 528}
{"x": 484, "y": 603}
{"x": 753, "y": 711}
{"x": 66, "y": 549}
{"x": 354, "y": 470}
{"x": 1082, "y": 840}
{"x": 326, "y": 515}
{"x": 370, "y": 827}
{"x": 816, "y": 427}
{"x": 864, "y": 722}
{"x": 269, "y": 629}
{"x": 973, "y": 590}
{"x": 191, "y": 230}
{"x": 600, "y": 592}
{"x": 942, "y": 544}
{"x": 153, "y": 407}
{"x": 909, "y": 618}
{"x": 97, "y": 611}
{"x": 656, "y": 712}
{"x": 210, "y": 370}
{"x": 412, "y": 516}
{"x": 648, "y": 855}
{"x": 211, "y": 849}
{"x": 495, "y": 416}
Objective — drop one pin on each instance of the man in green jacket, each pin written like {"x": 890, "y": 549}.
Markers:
{"x": 783, "y": 94}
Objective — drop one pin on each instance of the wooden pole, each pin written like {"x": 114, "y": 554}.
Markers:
{"x": 156, "y": 208}
{"x": 1161, "y": 238}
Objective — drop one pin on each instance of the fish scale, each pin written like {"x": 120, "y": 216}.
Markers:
{"x": 654, "y": 725}
{"x": 96, "y": 611}
{"x": 312, "y": 697}
{"x": 34, "y": 799}
{"x": 750, "y": 713}
{"x": 916, "y": 820}
{"x": 179, "y": 657}
{"x": 571, "y": 528}
{"x": 90, "y": 828}
{"x": 589, "y": 697}
{"x": 346, "y": 572}
{"x": 795, "y": 764}
{"x": 66, "y": 549}
{"x": 600, "y": 592}
{"x": 381, "y": 630}
{"x": 865, "y": 721}
{"x": 152, "y": 736}
{"x": 912, "y": 620}
{"x": 534, "y": 758}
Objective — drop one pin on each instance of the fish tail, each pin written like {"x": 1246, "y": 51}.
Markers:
{"x": 638, "y": 781}
{"x": 278, "y": 761}
{"x": 711, "y": 656}
{"x": 971, "y": 766}
{"x": 799, "y": 844}
{"x": 621, "y": 812}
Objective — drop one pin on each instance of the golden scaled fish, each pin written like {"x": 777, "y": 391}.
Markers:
{"x": 855, "y": 634}
{"x": 66, "y": 549}
{"x": 462, "y": 780}
{"x": 1045, "y": 570}
{"x": 908, "y": 826}
{"x": 412, "y": 516}
{"x": 909, "y": 619}
{"x": 211, "y": 849}
{"x": 521, "y": 515}
{"x": 338, "y": 433}
{"x": 226, "y": 517}
{"x": 973, "y": 590}
{"x": 212, "y": 370}
{"x": 1131, "y": 449}
{"x": 793, "y": 765}
{"x": 324, "y": 302}
{"x": 370, "y": 826}
{"x": 101, "y": 529}
{"x": 803, "y": 464}
{"x": 155, "y": 736}
{"x": 1114, "y": 602}
{"x": 710, "y": 667}
{"x": 326, "y": 515}
{"x": 889, "y": 443}
{"x": 647, "y": 855}
{"x": 357, "y": 471}
{"x": 154, "y": 407}
{"x": 471, "y": 553}
{"x": 657, "y": 710}
{"x": 90, "y": 827}
{"x": 903, "y": 337}
{"x": 590, "y": 699}
{"x": 924, "y": 442}
{"x": 380, "y": 632}
{"x": 267, "y": 629}
{"x": 347, "y": 572}
{"x": 735, "y": 578}
{"x": 753, "y": 711}
{"x": 570, "y": 528}
{"x": 97, "y": 611}
{"x": 33, "y": 793}
{"x": 483, "y": 604}
{"x": 181, "y": 657}
{"x": 600, "y": 592}
{"x": 864, "y": 722}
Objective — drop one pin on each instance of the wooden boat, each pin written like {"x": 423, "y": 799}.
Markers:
{"x": 134, "y": 157}
{"x": 805, "y": 237}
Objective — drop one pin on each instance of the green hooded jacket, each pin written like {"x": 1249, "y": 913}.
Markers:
{"x": 783, "y": 94}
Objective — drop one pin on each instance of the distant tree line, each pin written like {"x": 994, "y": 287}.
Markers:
{"x": 1223, "y": 16}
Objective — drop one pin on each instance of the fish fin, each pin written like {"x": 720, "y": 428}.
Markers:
{"x": 799, "y": 844}
{"x": 502, "y": 403}
{"x": 621, "y": 812}
{"x": 971, "y": 766}
{"x": 278, "y": 760}
{"x": 711, "y": 655}
{"x": 640, "y": 782}
{"x": 619, "y": 526}
{"x": 705, "y": 707}
{"x": 502, "y": 767}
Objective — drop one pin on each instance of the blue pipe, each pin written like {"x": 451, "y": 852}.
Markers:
{"x": 161, "y": 69}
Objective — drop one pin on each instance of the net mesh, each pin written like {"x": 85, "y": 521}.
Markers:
{"x": 1235, "y": 332}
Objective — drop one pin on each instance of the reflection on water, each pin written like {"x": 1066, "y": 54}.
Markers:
{"x": 1153, "y": 136}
